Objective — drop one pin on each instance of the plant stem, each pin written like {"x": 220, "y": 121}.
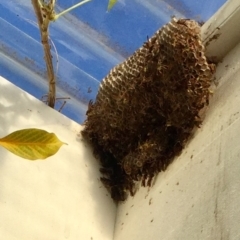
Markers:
{"x": 45, "y": 14}
{"x": 69, "y": 9}
{"x": 43, "y": 23}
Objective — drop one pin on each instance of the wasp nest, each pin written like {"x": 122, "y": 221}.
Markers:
{"x": 147, "y": 107}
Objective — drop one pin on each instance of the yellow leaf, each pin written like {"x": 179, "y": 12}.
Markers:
{"x": 32, "y": 143}
{"x": 111, "y": 3}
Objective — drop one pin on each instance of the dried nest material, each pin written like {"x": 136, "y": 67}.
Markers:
{"x": 148, "y": 105}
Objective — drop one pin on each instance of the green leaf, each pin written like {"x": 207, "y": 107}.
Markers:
{"x": 111, "y": 3}
{"x": 32, "y": 143}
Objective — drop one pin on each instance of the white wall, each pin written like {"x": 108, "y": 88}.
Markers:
{"x": 59, "y": 198}
{"x": 198, "y": 197}
{"x": 62, "y": 198}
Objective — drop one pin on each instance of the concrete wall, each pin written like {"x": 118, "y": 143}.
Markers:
{"x": 59, "y": 198}
{"x": 198, "y": 196}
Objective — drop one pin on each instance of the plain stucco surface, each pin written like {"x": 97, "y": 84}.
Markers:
{"x": 198, "y": 196}
{"x": 58, "y": 198}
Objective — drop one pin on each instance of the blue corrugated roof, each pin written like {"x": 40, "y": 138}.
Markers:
{"x": 89, "y": 42}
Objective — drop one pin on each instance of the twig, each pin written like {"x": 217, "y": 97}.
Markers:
{"x": 70, "y": 9}
{"x": 45, "y": 14}
{"x": 60, "y": 109}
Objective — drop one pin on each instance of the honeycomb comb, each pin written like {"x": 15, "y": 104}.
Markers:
{"x": 147, "y": 107}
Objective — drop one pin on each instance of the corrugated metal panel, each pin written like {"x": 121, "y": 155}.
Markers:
{"x": 89, "y": 42}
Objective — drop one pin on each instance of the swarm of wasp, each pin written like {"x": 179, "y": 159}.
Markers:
{"x": 147, "y": 107}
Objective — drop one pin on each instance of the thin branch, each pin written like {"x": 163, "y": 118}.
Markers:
{"x": 70, "y": 9}
{"x": 61, "y": 108}
{"x": 43, "y": 14}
